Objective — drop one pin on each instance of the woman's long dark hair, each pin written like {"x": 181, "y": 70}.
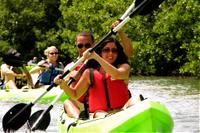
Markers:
{"x": 121, "y": 57}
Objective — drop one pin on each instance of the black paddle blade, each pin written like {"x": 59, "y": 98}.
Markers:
{"x": 13, "y": 58}
{"x": 44, "y": 123}
{"x": 16, "y": 117}
{"x": 149, "y": 6}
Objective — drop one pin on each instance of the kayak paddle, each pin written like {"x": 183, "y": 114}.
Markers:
{"x": 16, "y": 117}
{"x": 13, "y": 58}
{"x": 40, "y": 120}
{"x": 141, "y": 7}
{"x": 20, "y": 113}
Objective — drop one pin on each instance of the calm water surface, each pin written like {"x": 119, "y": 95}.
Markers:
{"x": 180, "y": 95}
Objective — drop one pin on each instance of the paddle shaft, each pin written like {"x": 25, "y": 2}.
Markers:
{"x": 126, "y": 17}
{"x": 58, "y": 69}
{"x": 128, "y": 11}
{"x": 30, "y": 105}
{"x": 123, "y": 20}
{"x": 46, "y": 112}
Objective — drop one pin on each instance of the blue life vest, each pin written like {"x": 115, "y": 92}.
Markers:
{"x": 47, "y": 76}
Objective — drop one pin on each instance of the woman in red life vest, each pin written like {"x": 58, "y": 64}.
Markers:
{"x": 109, "y": 90}
{"x": 85, "y": 40}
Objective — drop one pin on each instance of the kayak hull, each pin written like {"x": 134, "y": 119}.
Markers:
{"x": 31, "y": 94}
{"x": 146, "y": 116}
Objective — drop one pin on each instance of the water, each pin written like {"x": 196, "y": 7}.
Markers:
{"x": 180, "y": 95}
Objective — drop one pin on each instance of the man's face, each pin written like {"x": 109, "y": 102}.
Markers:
{"x": 83, "y": 43}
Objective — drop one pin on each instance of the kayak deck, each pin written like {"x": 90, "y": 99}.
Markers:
{"x": 146, "y": 116}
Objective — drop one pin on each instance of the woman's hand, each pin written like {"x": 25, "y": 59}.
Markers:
{"x": 58, "y": 80}
{"x": 44, "y": 66}
{"x": 115, "y": 24}
{"x": 89, "y": 55}
{"x": 61, "y": 82}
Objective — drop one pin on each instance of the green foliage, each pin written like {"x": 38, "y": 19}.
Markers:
{"x": 95, "y": 16}
{"x": 166, "y": 41}
{"x": 169, "y": 41}
{"x": 26, "y": 23}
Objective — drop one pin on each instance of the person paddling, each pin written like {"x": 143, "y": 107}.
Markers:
{"x": 48, "y": 68}
{"x": 110, "y": 79}
{"x": 13, "y": 73}
{"x": 85, "y": 40}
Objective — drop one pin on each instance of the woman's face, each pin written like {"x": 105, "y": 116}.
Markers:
{"x": 109, "y": 52}
{"x": 53, "y": 54}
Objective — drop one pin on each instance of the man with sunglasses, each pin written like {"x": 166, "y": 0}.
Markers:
{"x": 85, "y": 40}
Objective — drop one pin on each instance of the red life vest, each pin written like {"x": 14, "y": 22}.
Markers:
{"x": 117, "y": 92}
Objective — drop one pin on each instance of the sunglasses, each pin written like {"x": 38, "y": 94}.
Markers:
{"x": 108, "y": 50}
{"x": 53, "y": 53}
{"x": 80, "y": 45}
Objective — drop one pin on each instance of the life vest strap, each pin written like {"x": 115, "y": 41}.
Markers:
{"x": 84, "y": 115}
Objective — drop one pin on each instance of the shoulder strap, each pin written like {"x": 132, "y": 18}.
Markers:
{"x": 106, "y": 91}
{"x": 91, "y": 77}
{"x": 84, "y": 115}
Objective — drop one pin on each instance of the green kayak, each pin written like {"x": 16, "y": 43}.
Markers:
{"x": 145, "y": 116}
{"x": 30, "y": 95}
{"x": 27, "y": 95}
